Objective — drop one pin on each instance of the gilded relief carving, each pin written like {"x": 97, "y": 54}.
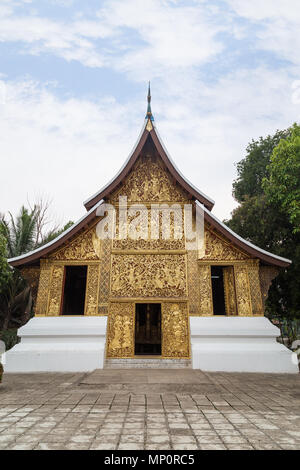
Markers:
{"x": 43, "y": 289}
{"x": 175, "y": 330}
{"x": 92, "y": 290}
{"x": 206, "y": 303}
{"x": 242, "y": 290}
{"x": 229, "y": 290}
{"x": 193, "y": 282}
{"x": 104, "y": 277}
{"x": 56, "y": 290}
{"x": 256, "y": 299}
{"x": 120, "y": 334}
{"x": 149, "y": 181}
{"x": 155, "y": 226}
{"x": 148, "y": 275}
{"x": 218, "y": 249}
{"x": 86, "y": 246}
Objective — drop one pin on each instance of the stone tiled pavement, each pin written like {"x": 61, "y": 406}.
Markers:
{"x": 150, "y": 409}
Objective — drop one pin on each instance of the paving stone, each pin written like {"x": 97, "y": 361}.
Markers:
{"x": 151, "y": 409}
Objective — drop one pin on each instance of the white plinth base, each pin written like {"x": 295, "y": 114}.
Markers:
{"x": 59, "y": 344}
{"x": 239, "y": 344}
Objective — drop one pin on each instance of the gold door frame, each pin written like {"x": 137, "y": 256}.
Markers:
{"x": 175, "y": 330}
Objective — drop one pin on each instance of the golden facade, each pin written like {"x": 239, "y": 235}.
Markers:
{"x": 124, "y": 272}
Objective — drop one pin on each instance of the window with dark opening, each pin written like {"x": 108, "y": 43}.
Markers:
{"x": 217, "y": 284}
{"x": 74, "y": 290}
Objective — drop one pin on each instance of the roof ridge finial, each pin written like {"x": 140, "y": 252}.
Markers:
{"x": 149, "y": 114}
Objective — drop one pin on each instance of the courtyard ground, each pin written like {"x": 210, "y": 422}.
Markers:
{"x": 179, "y": 409}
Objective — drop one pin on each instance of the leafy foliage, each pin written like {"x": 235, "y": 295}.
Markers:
{"x": 15, "y": 304}
{"x": 17, "y": 236}
{"x": 282, "y": 185}
{"x": 254, "y": 167}
{"x": 5, "y": 271}
{"x": 20, "y": 232}
{"x": 263, "y": 219}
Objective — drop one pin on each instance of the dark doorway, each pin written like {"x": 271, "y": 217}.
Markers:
{"x": 148, "y": 329}
{"x": 74, "y": 290}
{"x": 217, "y": 284}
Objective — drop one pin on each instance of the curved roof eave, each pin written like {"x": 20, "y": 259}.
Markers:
{"x": 105, "y": 190}
{"x": 178, "y": 171}
{"x": 53, "y": 244}
{"x": 87, "y": 201}
{"x": 249, "y": 247}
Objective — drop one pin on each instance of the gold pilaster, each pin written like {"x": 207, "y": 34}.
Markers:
{"x": 206, "y": 302}
{"x": 120, "y": 332}
{"x": 229, "y": 290}
{"x": 43, "y": 289}
{"x": 92, "y": 290}
{"x": 256, "y": 297}
{"x": 56, "y": 289}
{"x": 175, "y": 331}
{"x": 242, "y": 290}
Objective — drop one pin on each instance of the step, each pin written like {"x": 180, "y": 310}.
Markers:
{"x": 147, "y": 363}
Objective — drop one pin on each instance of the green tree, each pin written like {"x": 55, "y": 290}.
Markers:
{"x": 20, "y": 235}
{"x": 282, "y": 182}
{"x": 262, "y": 220}
{"x": 253, "y": 168}
{"x": 5, "y": 271}
{"x": 20, "y": 232}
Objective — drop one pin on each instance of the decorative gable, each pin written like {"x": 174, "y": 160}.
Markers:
{"x": 149, "y": 181}
{"x": 218, "y": 248}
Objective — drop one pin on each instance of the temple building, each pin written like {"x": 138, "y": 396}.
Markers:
{"x": 110, "y": 293}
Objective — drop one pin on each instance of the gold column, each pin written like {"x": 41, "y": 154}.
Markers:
{"x": 120, "y": 332}
{"x": 92, "y": 290}
{"x": 193, "y": 282}
{"x": 242, "y": 290}
{"x": 229, "y": 290}
{"x": 206, "y": 302}
{"x": 255, "y": 289}
{"x": 56, "y": 288}
{"x": 43, "y": 289}
{"x": 175, "y": 330}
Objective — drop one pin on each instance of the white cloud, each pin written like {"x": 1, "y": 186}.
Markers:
{"x": 66, "y": 149}
{"x": 279, "y": 25}
{"x": 70, "y": 148}
{"x": 167, "y": 37}
{"x": 172, "y": 37}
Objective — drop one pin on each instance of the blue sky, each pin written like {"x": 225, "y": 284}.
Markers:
{"x": 73, "y": 84}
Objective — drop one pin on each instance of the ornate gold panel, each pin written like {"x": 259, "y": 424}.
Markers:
{"x": 120, "y": 333}
{"x": 219, "y": 249}
{"x": 242, "y": 290}
{"x": 56, "y": 288}
{"x": 148, "y": 275}
{"x": 92, "y": 290}
{"x": 256, "y": 298}
{"x": 104, "y": 282}
{"x": 175, "y": 330}
{"x": 193, "y": 282}
{"x": 149, "y": 181}
{"x": 206, "y": 302}
{"x": 229, "y": 290}
{"x": 147, "y": 243}
{"x": 43, "y": 289}
{"x": 86, "y": 246}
